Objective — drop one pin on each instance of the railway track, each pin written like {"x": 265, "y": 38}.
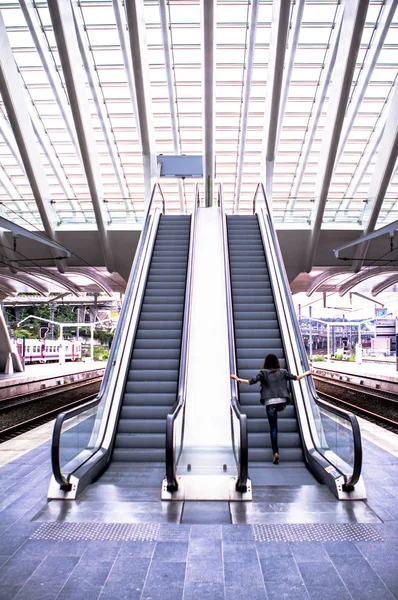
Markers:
{"x": 380, "y": 408}
{"x": 26, "y": 412}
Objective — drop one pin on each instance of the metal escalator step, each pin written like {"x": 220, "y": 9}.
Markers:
{"x": 155, "y": 307}
{"x": 153, "y": 334}
{"x": 157, "y": 288}
{"x": 155, "y": 344}
{"x": 258, "y": 411}
{"x": 151, "y": 387}
{"x": 157, "y": 354}
{"x": 154, "y": 301}
{"x": 257, "y": 352}
{"x": 158, "y": 377}
{"x": 151, "y": 315}
{"x": 141, "y": 426}
{"x": 256, "y": 323}
{"x": 155, "y": 364}
{"x": 251, "y": 315}
{"x": 261, "y": 425}
{"x": 246, "y": 335}
{"x": 246, "y": 364}
{"x": 146, "y": 397}
{"x": 140, "y": 440}
{"x": 160, "y": 325}
{"x": 139, "y": 455}
{"x": 144, "y": 412}
{"x": 285, "y": 455}
{"x": 254, "y": 284}
{"x": 285, "y": 440}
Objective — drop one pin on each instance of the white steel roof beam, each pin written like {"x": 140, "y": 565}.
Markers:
{"x": 384, "y": 169}
{"x": 319, "y": 102}
{"x": 350, "y": 40}
{"x": 65, "y": 34}
{"x": 165, "y": 24}
{"x": 27, "y": 280}
{"x": 33, "y": 22}
{"x": 382, "y": 26}
{"x": 324, "y": 276}
{"x": 277, "y": 51}
{"x": 358, "y": 278}
{"x": 14, "y": 100}
{"x": 90, "y": 69}
{"x": 42, "y": 47}
{"x": 144, "y": 116}
{"x": 246, "y": 99}
{"x": 298, "y": 10}
{"x": 61, "y": 280}
{"x": 384, "y": 285}
{"x": 208, "y": 77}
{"x": 120, "y": 17}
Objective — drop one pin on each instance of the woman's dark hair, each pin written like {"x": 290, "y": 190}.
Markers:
{"x": 271, "y": 361}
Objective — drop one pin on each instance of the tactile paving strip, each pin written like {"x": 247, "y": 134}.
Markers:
{"x": 316, "y": 532}
{"x": 115, "y": 532}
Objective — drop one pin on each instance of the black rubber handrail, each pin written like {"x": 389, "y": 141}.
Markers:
{"x": 55, "y": 446}
{"x": 243, "y": 456}
{"x": 171, "y": 458}
{"x": 356, "y": 473}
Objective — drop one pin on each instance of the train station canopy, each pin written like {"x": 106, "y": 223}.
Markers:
{"x": 301, "y": 95}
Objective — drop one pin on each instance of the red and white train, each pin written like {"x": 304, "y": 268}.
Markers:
{"x": 44, "y": 351}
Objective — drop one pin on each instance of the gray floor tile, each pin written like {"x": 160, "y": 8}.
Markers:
{"x": 237, "y": 532}
{"x": 309, "y": 552}
{"x": 48, "y": 578}
{"x": 206, "y": 531}
{"x": 139, "y": 549}
{"x": 204, "y": 591}
{"x": 280, "y": 568}
{"x": 174, "y": 533}
{"x": 204, "y": 570}
{"x": 205, "y": 548}
{"x": 244, "y": 593}
{"x": 243, "y": 575}
{"x": 243, "y": 551}
{"x": 360, "y": 579}
{"x": 273, "y": 549}
{"x": 315, "y": 575}
{"x": 171, "y": 592}
{"x": 164, "y": 574}
{"x": 324, "y": 592}
{"x": 171, "y": 552}
{"x": 286, "y": 590}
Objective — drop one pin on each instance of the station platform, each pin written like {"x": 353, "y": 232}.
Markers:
{"x": 37, "y": 377}
{"x": 119, "y": 540}
{"x": 381, "y": 376}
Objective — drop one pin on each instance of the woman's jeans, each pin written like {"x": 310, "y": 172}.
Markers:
{"x": 272, "y": 414}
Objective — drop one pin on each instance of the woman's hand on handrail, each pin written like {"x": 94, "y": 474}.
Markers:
{"x": 239, "y": 380}
{"x": 303, "y": 375}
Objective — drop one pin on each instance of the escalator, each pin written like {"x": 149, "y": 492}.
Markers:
{"x": 152, "y": 379}
{"x": 257, "y": 333}
{"x": 311, "y": 433}
{"x": 126, "y": 423}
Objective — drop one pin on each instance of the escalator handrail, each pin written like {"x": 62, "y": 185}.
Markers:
{"x": 356, "y": 473}
{"x": 243, "y": 459}
{"x": 171, "y": 458}
{"x": 64, "y": 416}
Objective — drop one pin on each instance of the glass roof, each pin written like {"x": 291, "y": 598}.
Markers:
{"x": 294, "y": 179}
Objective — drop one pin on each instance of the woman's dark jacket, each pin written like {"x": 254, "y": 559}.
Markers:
{"x": 273, "y": 383}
